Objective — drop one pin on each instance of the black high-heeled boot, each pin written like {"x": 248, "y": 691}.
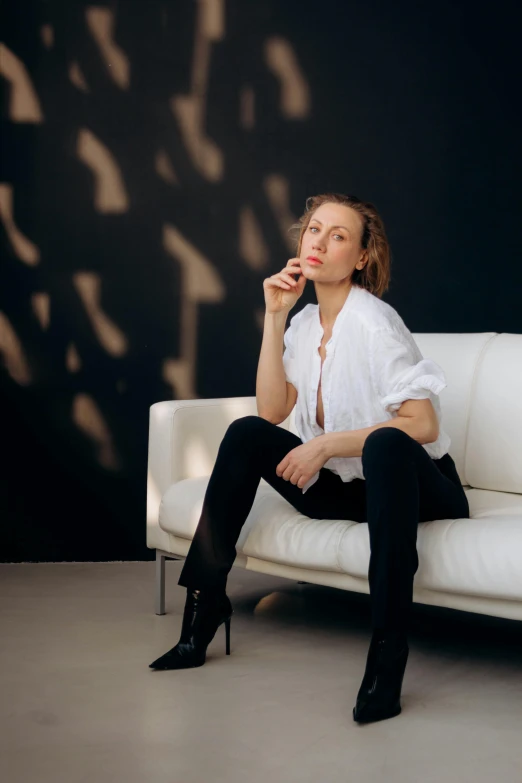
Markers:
{"x": 203, "y": 614}
{"x": 380, "y": 691}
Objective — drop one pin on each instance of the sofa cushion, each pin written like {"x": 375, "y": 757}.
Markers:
{"x": 477, "y": 556}
{"x": 458, "y": 355}
{"x": 495, "y": 418}
{"x": 274, "y": 529}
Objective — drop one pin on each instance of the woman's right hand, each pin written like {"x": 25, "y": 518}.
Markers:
{"x": 281, "y": 290}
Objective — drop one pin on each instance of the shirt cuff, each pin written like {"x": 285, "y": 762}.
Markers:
{"x": 419, "y": 389}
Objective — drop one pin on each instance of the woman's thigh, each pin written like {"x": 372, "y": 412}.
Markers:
{"x": 267, "y": 444}
{"x": 392, "y": 458}
{"x": 441, "y": 495}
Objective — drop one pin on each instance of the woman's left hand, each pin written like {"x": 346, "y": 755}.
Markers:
{"x": 302, "y": 463}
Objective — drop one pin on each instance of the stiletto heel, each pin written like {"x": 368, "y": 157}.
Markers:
{"x": 203, "y": 614}
{"x": 227, "y": 629}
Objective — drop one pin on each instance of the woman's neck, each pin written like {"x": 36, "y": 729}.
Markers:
{"x": 330, "y": 305}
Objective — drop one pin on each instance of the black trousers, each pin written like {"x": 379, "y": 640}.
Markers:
{"x": 402, "y": 486}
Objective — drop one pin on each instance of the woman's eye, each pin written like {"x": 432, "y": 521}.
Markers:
{"x": 314, "y": 228}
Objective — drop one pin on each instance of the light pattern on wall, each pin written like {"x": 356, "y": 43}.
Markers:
{"x": 152, "y": 201}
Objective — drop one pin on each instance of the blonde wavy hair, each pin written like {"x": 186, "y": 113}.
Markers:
{"x": 375, "y": 275}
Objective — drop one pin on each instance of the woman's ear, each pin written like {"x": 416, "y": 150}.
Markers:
{"x": 363, "y": 260}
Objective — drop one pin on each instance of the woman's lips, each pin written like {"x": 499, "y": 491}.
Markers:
{"x": 314, "y": 261}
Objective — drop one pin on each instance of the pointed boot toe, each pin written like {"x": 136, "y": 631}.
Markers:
{"x": 364, "y": 713}
{"x": 182, "y": 656}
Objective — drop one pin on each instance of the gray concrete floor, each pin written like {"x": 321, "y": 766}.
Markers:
{"x": 79, "y": 702}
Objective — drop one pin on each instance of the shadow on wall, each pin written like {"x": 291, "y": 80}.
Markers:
{"x": 141, "y": 208}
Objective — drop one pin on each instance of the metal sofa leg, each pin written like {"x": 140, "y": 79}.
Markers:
{"x": 160, "y": 583}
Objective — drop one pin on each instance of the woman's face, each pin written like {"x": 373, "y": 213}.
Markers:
{"x": 334, "y": 237}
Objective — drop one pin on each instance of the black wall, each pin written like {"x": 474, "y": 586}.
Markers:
{"x": 413, "y": 107}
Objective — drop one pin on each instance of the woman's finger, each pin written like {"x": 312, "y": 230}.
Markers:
{"x": 288, "y": 278}
{"x": 278, "y": 283}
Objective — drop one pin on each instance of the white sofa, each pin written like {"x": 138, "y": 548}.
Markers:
{"x": 472, "y": 564}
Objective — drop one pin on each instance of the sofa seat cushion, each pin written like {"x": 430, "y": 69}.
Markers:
{"x": 273, "y": 530}
{"x": 478, "y": 556}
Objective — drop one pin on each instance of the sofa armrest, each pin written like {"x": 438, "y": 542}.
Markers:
{"x": 184, "y": 439}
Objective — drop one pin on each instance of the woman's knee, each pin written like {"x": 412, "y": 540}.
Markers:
{"x": 386, "y": 443}
{"x": 246, "y": 427}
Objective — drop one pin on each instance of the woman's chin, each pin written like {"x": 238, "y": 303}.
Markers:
{"x": 307, "y": 269}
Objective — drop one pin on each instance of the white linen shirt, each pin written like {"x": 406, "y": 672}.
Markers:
{"x": 372, "y": 366}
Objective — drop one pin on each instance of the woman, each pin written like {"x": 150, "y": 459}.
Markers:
{"x": 371, "y": 448}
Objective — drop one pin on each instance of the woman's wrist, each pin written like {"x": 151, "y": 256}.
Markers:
{"x": 280, "y": 316}
{"x": 324, "y": 444}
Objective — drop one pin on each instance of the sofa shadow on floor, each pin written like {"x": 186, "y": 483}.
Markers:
{"x": 434, "y": 631}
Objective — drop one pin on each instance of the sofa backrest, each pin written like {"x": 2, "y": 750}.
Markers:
{"x": 494, "y": 444}
{"x": 459, "y": 355}
{"x": 484, "y": 374}
{"x": 481, "y": 405}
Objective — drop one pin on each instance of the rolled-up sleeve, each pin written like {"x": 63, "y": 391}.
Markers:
{"x": 289, "y": 356}
{"x": 399, "y": 371}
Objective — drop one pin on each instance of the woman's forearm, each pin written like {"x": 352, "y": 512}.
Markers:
{"x": 349, "y": 443}
{"x": 271, "y": 378}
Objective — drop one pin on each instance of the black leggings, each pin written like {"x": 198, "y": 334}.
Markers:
{"x": 402, "y": 486}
